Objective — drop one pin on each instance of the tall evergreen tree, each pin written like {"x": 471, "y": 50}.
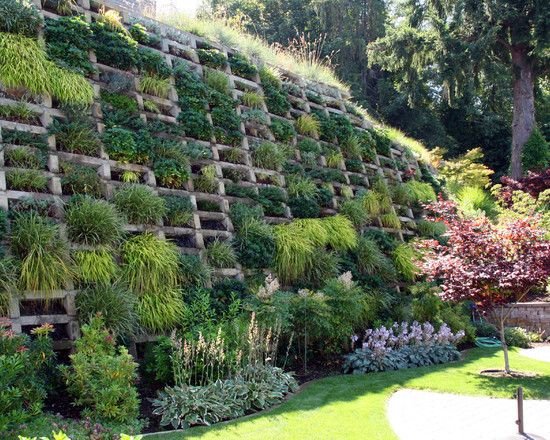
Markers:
{"x": 453, "y": 47}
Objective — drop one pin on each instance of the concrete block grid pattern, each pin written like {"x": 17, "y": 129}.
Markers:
{"x": 205, "y": 225}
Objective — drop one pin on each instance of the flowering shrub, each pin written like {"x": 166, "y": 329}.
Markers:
{"x": 402, "y": 346}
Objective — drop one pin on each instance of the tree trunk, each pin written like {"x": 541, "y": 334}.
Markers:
{"x": 523, "y": 121}
{"x": 504, "y": 347}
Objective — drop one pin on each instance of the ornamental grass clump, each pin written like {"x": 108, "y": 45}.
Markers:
{"x": 140, "y": 204}
{"x": 45, "y": 262}
{"x": 154, "y": 85}
{"x": 220, "y": 254}
{"x": 23, "y": 63}
{"x": 270, "y": 156}
{"x": 116, "y": 305}
{"x": 402, "y": 346}
{"x": 308, "y": 125}
{"x": 93, "y": 222}
{"x": 94, "y": 266}
{"x": 404, "y": 256}
{"x": 341, "y": 234}
{"x": 149, "y": 264}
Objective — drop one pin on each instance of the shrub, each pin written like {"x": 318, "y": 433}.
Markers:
{"x": 254, "y": 243}
{"x": 114, "y": 48}
{"x": 172, "y": 173}
{"x": 536, "y": 152}
{"x": 150, "y": 264}
{"x": 270, "y": 156}
{"x": 29, "y": 67}
{"x": 77, "y": 136}
{"x": 196, "y": 124}
{"x": 485, "y": 329}
{"x": 220, "y": 254}
{"x": 26, "y": 180}
{"x": 139, "y": 33}
{"x": 241, "y": 66}
{"x": 253, "y": 100}
{"x": 304, "y": 207}
{"x": 121, "y": 145}
{"x": 402, "y": 346}
{"x": 227, "y": 125}
{"x": 101, "y": 377}
{"x": 68, "y": 40}
{"x": 26, "y": 365}
{"x": 153, "y": 63}
{"x": 154, "y": 85}
{"x": 80, "y": 179}
{"x": 94, "y": 266}
{"x": 179, "y": 211}
{"x": 276, "y": 99}
{"x": 517, "y": 337}
{"x": 212, "y": 58}
{"x": 193, "y": 272}
{"x": 308, "y": 125}
{"x": 45, "y": 263}
{"x": 382, "y": 142}
{"x": 282, "y": 130}
{"x": 254, "y": 118}
{"x": 20, "y": 17}
{"x": 139, "y": 204}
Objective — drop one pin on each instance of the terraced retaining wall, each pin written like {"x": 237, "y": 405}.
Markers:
{"x": 177, "y": 46}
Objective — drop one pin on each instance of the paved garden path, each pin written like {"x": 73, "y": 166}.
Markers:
{"x": 540, "y": 352}
{"x": 425, "y": 415}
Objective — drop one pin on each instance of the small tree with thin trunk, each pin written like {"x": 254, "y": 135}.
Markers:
{"x": 493, "y": 265}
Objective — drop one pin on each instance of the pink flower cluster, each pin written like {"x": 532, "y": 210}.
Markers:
{"x": 382, "y": 339}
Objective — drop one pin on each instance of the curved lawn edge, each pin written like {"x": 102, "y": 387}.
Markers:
{"x": 347, "y": 406}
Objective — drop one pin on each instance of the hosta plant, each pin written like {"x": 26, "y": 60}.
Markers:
{"x": 402, "y": 346}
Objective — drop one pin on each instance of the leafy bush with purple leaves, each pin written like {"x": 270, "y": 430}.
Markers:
{"x": 402, "y": 346}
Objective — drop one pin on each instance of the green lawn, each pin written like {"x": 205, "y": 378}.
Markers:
{"x": 354, "y": 407}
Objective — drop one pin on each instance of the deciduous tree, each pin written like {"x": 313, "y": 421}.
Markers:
{"x": 493, "y": 265}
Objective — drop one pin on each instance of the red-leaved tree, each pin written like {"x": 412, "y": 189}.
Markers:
{"x": 490, "y": 264}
